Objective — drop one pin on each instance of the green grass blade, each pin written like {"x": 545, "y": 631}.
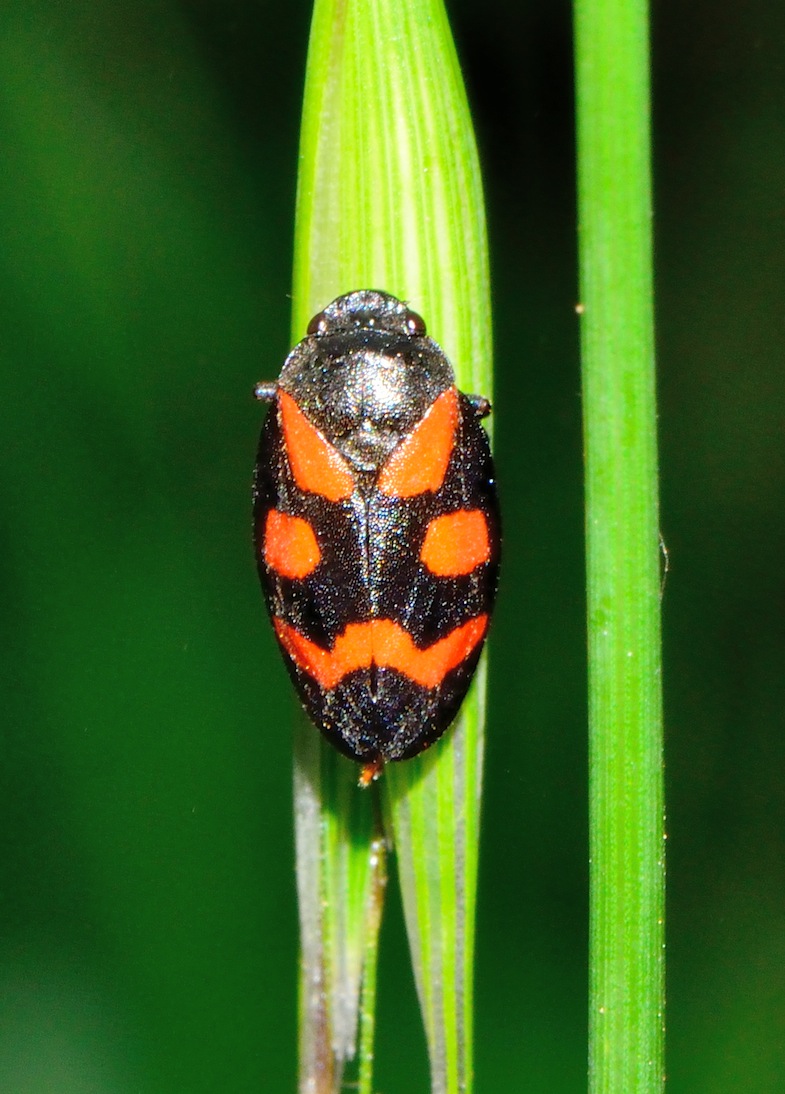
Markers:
{"x": 626, "y": 794}
{"x": 390, "y": 197}
{"x": 435, "y": 804}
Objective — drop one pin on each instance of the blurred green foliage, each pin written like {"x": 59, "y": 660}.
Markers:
{"x": 148, "y": 921}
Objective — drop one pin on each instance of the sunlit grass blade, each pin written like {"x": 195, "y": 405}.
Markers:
{"x": 390, "y": 198}
{"x": 626, "y": 794}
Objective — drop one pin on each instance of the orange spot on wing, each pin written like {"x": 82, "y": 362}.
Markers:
{"x": 419, "y": 463}
{"x": 315, "y": 464}
{"x": 456, "y": 543}
{"x": 383, "y": 643}
{"x": 290, "y": 546}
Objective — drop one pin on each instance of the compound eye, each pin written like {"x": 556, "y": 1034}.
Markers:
{"x": 318, "y": 324}
{"x": 415, "y": 324}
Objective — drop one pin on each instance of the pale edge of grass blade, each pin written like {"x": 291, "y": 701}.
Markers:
{"x": 390, "y": 197}
{"x": 625, "y": 702}
{"x": 317, "y": 1065}
{"x": 341, "y": 877}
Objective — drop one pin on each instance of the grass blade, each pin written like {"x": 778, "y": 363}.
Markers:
{"x": 626, "y": 792}
{"x": 390, "y": 197}
{"x": 340, "y": 886}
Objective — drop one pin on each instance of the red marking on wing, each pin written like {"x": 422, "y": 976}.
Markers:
{"x": 419, "y": 463}
{"x": 290, "y": 546}
{"x": 383, "y": 643}
{"x": 456, "y": 543}
{"x": 315, "y": 464}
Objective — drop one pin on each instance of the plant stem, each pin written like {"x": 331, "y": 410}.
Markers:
{"x": 625, "y": 705}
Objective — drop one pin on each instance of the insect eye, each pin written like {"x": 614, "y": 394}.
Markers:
{"x": 415, "y": 324}
{"x": 318, "y": 324}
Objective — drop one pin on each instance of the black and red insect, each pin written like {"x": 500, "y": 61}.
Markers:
{"x": 377, "y": 528}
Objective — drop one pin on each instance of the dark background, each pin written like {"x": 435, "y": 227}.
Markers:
{"x": 147, "y": 908}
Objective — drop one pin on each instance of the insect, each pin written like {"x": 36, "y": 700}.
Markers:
{"x": 377, "y": 528}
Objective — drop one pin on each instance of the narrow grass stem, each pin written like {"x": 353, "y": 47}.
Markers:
{"x": 626, "y": 795}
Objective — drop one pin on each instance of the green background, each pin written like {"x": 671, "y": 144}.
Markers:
{"x": 147, "y": 908}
